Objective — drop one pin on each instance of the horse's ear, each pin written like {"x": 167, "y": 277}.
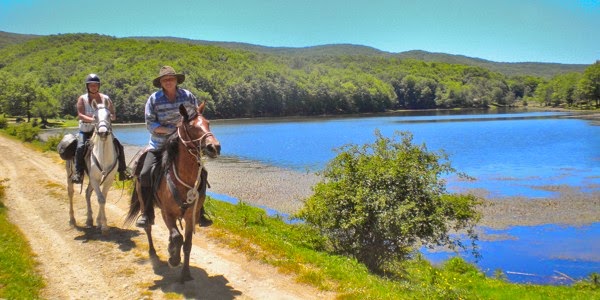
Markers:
{"x": 201, "y": 107}
{"x": 183, "y": 113}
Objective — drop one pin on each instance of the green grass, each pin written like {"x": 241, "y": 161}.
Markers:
{"x": 18, "y": 276}
{"x": 299, "y": 251}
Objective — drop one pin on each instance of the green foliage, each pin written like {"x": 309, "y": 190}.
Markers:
{"x": 589, "y": 85}
{"x": 3, "y": 122}
{"x": 592, "y": 282}
{"x": 379, "y": 201}
{"x": 18, "y": 277}
{"x": 52, "y": 142}
{"x": 24, "y": 131}
{"x": 42, "y": 77}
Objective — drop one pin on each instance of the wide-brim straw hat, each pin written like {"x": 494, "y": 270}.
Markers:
{"x": 168, "y": 71}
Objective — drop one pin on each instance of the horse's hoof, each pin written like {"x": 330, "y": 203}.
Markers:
{"x": 174, "y": 261}
{"x": 72, "y": 222}
{"x": 89, "y": 224}
{"x": 185, "y": 278}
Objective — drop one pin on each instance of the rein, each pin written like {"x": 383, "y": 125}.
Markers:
{"x": 194, "y": 148}
{"x": 106, "y": 124}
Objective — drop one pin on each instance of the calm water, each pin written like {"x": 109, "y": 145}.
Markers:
{"x": 510, "y": 154}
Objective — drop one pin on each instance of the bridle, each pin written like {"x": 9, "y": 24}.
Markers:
{"x": 194, "y": 146}
{"x": 104, "y": 123}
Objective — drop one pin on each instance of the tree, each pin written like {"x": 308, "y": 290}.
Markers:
{"x": 379, "y": 202}
{"x": 589, "y": 86}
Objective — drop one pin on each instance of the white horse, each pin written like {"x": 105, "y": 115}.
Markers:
{"x": 102, "y": 168}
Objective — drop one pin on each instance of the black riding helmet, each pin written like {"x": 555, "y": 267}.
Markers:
{"x": 91, "y": 78}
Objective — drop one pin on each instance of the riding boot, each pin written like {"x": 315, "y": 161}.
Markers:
{"x": 79, "y": 163}
{"x": 147, "y": 217}
{"x": 204, "y": 220}
{"x": 122, "y": 169}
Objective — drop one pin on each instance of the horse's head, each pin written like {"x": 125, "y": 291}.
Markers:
{"x": 103, "y": 123}
{"x": 194, "y": 132}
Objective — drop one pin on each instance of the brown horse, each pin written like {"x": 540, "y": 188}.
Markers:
{"x": 180, "y": 190}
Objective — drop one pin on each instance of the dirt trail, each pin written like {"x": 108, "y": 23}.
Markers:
{"x": 80, "y": 263}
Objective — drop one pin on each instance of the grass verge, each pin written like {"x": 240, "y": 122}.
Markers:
{"x": 297, "y": 250}
{"x": 18, "y": 276}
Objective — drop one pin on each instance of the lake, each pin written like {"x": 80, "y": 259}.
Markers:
{"x": 510, "y": 153}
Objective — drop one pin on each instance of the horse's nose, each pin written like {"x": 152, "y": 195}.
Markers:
{"x": 213, "y": 150}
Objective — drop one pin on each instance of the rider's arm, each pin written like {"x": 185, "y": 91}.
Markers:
{"x": 152, "y": 122}
{"x": 81, "y": 112}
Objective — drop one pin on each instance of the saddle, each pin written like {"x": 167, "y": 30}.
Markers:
{"x": 137, "y": 163}
{"x": 66, "y": 147}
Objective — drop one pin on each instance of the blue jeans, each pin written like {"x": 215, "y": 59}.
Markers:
{"x": 82, "y": 138}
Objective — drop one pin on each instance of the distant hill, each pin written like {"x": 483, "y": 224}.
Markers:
{"x": 7, "y": 38}
{"x": 544, "y": 70}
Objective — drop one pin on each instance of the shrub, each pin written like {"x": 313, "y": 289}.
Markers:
{"x": 379, "y": 202}
{"x": 24, "y": 131}
{"x": 3, "y": 122}
{"x": 52, "y": 142}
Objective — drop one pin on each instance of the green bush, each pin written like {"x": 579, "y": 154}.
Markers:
{"x": 52, "y": 142}
{"x": 3, "y": 122}
{"x": 379, "y": 202}
{"x": 24, "y": 131}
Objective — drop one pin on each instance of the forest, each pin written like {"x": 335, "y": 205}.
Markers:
{"x": 42, "y": 76}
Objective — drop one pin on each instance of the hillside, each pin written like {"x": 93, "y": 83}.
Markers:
{"x": 7, "y": 38}
{"x": 544, "y": 70}
{"x": 239, "y": 80}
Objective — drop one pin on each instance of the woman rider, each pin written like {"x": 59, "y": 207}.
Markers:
{"x": 85, "y": 112}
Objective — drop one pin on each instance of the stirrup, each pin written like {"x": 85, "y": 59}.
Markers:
{"x": 204, "y": 221}
{"x": 124, "y": 175}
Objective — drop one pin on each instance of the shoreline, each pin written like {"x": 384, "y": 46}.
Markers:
{"x": 283, "y": 190}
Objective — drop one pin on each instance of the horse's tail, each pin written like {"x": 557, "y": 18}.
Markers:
{"x": 134, "y": 207}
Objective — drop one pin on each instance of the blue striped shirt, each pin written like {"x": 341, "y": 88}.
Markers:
{"x": 160, "y": 111}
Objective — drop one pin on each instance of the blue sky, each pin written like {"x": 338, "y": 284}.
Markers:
{"x": 560, "y": 31}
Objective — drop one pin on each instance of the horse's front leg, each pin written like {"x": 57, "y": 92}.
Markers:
{"x": 89, "y": 223}
{"x": 70, "y": 191}
{"x": 175, "y": 243}
{"x": 187, "y": 249}
{"x": 102, "y": 196}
